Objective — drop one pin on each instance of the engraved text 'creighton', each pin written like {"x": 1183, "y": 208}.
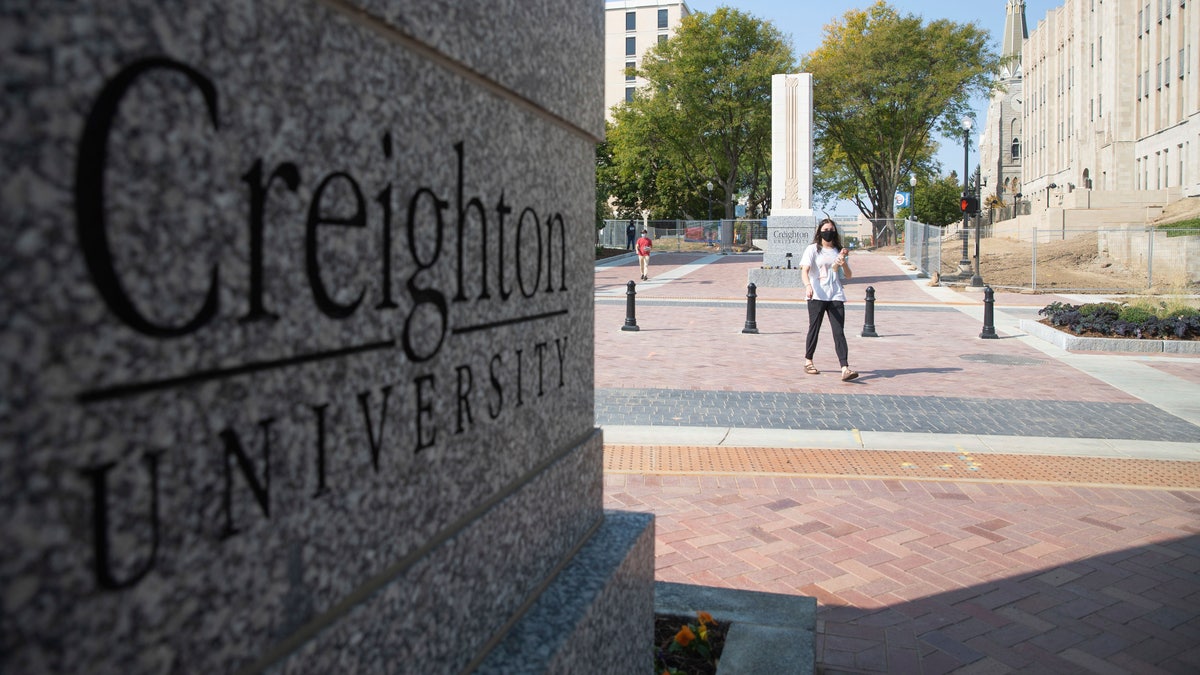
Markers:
{"x": 492, "y": 384}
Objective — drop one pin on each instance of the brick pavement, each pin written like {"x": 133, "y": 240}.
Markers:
{"x": 1032, "y": 566}
{"x": 943, "y": 576}
{"x": 908, "y": 414}
{"x": 925, "y": 465}
{"x": 930, "y": 350}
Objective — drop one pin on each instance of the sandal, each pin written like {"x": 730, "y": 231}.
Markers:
{"x": 848, "y": 375}
{"x": 811, "y": 369}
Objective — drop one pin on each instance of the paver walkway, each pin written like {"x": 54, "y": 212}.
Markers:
{"x": 943, "y": 508}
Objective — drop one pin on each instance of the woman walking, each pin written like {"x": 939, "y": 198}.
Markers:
{"x": 824, "y": 264}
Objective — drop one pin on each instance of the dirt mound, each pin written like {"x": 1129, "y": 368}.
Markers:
{"x": 1183, "y": 209}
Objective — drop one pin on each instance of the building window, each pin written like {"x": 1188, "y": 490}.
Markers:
{"x": 662, "y": 19}
{"x": 629, "y": 94}
{"x": 662, "y": 39}
{"x": 1166, "y": 73}
{"x": 630, "y": 67}
{"x": 1016, "y": 149}
{"x": 630, "y": 46}
{"x": 630, "y": 20}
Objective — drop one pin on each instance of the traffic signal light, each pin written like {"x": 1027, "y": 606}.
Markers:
{"x": 969, "y": 204}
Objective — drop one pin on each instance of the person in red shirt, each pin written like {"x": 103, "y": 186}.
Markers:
{"x": 643, "y": 251}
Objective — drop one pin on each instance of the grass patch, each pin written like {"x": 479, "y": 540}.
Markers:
{"x": 1181, "y": 228}
{"x": 605, "y": 252}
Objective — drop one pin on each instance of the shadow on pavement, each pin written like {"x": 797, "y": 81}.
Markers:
{"x": 880, "y": 278}
{"x": 1133, "y": 610}
{"x": 898, "y": 372}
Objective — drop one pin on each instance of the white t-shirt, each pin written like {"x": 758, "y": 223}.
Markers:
{"x": 826, "y": 281}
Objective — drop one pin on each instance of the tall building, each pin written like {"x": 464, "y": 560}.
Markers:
{"x": 1110, "y": 105}
{"x": 631, "y": 28}
{"x": 1001, "y": 136}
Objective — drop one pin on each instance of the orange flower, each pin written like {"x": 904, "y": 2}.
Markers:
{"x": 685, "y": 636}
{"x": 705, "y": 618}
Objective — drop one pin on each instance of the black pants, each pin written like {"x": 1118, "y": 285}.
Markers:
{"x": 837, "y": 320}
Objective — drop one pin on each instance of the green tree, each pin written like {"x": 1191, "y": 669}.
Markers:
{"x": 937, "y": 203}
{"x": 704, "y": 116}
{"x": 883, "y": 84}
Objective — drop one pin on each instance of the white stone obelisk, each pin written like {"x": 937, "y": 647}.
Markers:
{"x": 791, "y": 223}
{"x": 791, "y": 144}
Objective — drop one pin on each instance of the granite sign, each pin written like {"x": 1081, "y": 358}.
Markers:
{"x": 298, "y": 340}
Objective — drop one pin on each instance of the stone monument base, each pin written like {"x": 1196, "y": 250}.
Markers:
{"x": 597, "y": 614}
{"x": 787, "y": 234}
{"x": 776, "y": 278}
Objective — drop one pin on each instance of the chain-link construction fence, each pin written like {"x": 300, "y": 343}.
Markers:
{"x": 923, "y": 246}
{"x": 1092, "y": 260}
{"x": 1131, "y": 259}
{"x": 684, "y": 235}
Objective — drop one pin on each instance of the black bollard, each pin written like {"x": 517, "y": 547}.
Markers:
{"x": 989, "y": 328}
{"x": 751, "y": 325}
{"x": 869, "y": 318}
{"x": 630, "y": 321}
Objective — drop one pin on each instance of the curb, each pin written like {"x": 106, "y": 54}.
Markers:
{"x": 770, "y": 632}
{"x": 1094, "y": 344}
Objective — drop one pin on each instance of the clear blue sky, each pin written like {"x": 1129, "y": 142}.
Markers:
{"x": 804, "y": 23}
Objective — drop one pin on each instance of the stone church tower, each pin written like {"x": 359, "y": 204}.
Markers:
{"x": 1000, "y": 139}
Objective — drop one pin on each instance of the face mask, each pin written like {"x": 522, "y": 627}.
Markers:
{"x": 828, "y": 236}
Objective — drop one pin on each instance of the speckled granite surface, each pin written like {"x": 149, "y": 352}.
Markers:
{"x": 597, "y": 616}
{"x": 297, "y": 329}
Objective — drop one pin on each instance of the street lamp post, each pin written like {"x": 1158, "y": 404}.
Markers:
{"x": 709, "y": 186}
{"x": 965, "y": 264}
{"x": 912, "y": 195}
{"x": 976, "y": 279}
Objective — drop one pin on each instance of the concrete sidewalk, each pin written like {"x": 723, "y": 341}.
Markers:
{"x": 966, "y": 505}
